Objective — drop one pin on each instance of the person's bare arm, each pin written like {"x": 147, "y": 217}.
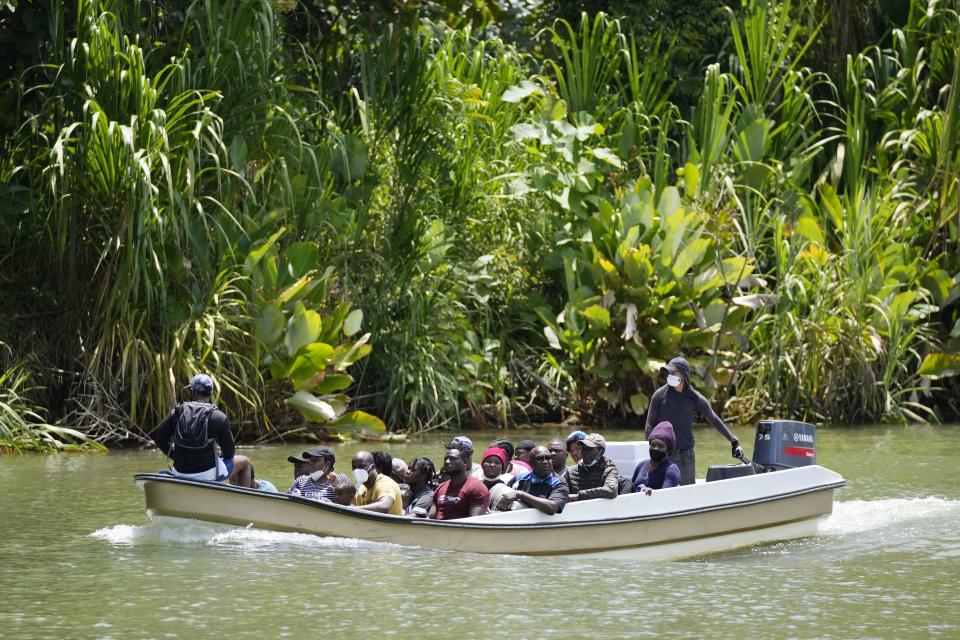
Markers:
{"x": 382, "y": 505}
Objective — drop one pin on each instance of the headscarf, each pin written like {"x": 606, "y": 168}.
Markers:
{"x": 664, "y": 431}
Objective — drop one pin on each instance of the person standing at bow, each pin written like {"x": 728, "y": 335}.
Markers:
{"x": 192, "y": 433}
{"x": 677, "y": 402}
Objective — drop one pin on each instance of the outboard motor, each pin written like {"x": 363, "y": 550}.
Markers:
{"x": 780, "y": 444}
{"x": 784, "y": 444}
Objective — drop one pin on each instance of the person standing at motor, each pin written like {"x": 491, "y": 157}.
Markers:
{"x": 677, "y": 402}
{"x": 193, "y": 431}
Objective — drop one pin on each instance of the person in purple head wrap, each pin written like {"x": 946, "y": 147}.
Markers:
{"x": 659, "y": 471}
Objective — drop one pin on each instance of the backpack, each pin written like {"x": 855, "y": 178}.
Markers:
{"x": 192, "y": 425}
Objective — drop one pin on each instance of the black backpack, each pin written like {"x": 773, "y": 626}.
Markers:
{"x": 192, "y": 425}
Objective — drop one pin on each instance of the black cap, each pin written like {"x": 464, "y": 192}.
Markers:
{"x": 316, "y": 452}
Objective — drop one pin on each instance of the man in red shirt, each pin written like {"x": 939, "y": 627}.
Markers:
{"x": 461, "y": 496}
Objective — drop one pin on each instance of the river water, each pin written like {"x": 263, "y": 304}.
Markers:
{"x": 80, "y": 559}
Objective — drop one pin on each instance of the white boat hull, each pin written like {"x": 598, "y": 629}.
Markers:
{"x": 672, "y": 523}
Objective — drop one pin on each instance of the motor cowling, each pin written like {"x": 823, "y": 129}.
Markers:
{"x": 785, "y": 444}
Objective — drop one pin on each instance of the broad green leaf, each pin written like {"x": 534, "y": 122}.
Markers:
{"x": 312, "y": 407}
{"x": 940, "y": 365}
{"x": 520, "y": 91}
{"x": 524, "y": 131}
{"x": 309, "y": 367}
{"x": 597, "y": 316}
{"x": 832, "y": 204}
{"x": 608, "y": 156}
{"x": 302, "y": 258}
{"x": 808, "y": 227}
{"x": 303, "y": 328}
{"x": 735, "y": 269}
{"x": 690, "y": 256}
{"x": 333, "y": 383}
{"x": 351, "y": 324}
{"x": 639, "y": 403}
{"x": 670, "y": 202}
{"x": 901, "y": 303}
{"x": 637, "y": 266}
{"x": 270, "y": 325}
{"x": 356, "y": 420}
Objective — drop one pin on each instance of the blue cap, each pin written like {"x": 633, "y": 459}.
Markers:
{"x": 202, "y": 384}
{"x": 575, "y": 436}
{"x": 463, "y": 443}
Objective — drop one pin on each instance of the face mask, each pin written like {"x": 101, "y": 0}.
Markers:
{"x": 360, "y": 476}
{"x": 673, "y": 380}
{"x": 316, "y": 475}
{"x": 592, "y": 464}
{"x": 657, "y": 456}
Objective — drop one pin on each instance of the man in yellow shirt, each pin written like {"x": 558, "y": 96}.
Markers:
{"x": 375, "y": 491}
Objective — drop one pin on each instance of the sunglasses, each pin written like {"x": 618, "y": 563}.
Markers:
{"x": 547, "y": 458}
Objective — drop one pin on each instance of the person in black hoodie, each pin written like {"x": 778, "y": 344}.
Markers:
{"x": 678, "y": 403}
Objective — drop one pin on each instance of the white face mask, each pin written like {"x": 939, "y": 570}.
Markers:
{"x": 360, "y": 476}
{"x": 316, "y": 475}
{"x": 673, "y": 380}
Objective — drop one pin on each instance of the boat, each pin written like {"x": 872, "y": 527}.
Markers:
{"x": 743, "y": 508}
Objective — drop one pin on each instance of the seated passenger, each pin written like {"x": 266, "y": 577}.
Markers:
{"x": 558, "y": 450}
{"x": 420, "y": 475}
{"x": 375, "y": 491}
{"x": 383, "y": 461}
{"x": 596, "y": 476}
{"x": 261, "y": 485}
{"x": 573, "y": 447}
{"x": 659, "y": 471}
{"x": 461, "y": 496}
{"x": 399, "y": 471}
{"x": 494, "y": 461}
{"x": 301, "y": 465}
{"x": 465, "y": 444}
{"x": 507, "y": 446}
{"x": 319, "y": 482}
{"x": 344, "y": 494}
{"x": 522, "y": 456}
{"x": 539, "y": 489}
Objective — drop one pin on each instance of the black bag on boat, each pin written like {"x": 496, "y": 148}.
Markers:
{"x": 192, "y": 425}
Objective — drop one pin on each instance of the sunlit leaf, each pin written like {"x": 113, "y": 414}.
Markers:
{"x": 312, "y": 407}
{"x": 303, "y": 328}
{"x": 356, "y": 420}
{"x": 351, "y": 324}
{"x": 940, "y": 365}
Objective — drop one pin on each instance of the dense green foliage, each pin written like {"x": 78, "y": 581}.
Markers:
{"x": 528, "y": 213}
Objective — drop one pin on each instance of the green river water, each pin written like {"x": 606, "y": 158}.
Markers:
{"x": 80, "y": 559}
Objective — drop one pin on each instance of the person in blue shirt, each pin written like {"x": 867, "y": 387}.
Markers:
{"x": 539, "y": 489}
{"x": 658, "y": 471}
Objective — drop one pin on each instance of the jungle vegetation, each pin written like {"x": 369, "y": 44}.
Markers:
{"x": 440, "y": 214}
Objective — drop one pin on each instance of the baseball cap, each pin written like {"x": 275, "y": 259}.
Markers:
{"x": 320, "y": 452}
{"x": 594, "y": 440}
{"x": 462, "y": 443}
{"x": 201, "y": 383}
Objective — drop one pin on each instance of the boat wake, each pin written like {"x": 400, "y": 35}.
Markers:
{"x": 176, "y": 531}
{"x": 857, "y": 516}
